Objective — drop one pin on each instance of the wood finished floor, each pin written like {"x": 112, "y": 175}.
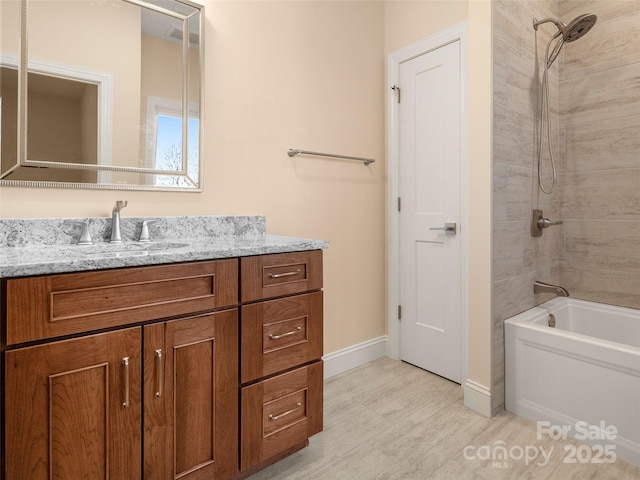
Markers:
{"x": 390, "y": 420}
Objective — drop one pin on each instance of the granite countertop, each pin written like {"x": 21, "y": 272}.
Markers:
{"x": 46, "y": 246}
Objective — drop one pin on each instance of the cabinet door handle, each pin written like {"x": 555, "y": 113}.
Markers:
{"x": 159, "y": 373}
{"x": 278, "y": 417}
{"x": 125, "y": 364}
{"x": 276, "y": 337}
{"x": 280, "y": 275}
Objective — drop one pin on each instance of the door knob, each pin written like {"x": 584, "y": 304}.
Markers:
{"x": 450, "y": 228}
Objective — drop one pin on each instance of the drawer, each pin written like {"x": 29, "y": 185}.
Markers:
{"x": 56, "y": 305}
{"x": 268, "y": 276}
{"x": 280, "y": 334}
{"x": 280, "y": 413}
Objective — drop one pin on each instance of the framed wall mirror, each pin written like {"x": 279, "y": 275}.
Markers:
{"x": 101, "y": 94}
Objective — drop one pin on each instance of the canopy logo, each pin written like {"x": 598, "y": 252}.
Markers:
{"x": 501, "y": 455}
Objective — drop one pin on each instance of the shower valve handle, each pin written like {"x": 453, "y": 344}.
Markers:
{"x": 546, "y": 223}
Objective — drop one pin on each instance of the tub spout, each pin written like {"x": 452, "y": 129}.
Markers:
{"x": 541, "y": 287}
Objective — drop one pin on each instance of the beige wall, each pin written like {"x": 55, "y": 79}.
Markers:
{"x": 10, "y": 31}
{"x": 479, "y": 91}
{"x": 56, "y": 36}
{"x": 310, "y": 74}
{"x": 407, "y": 21}
{"x": 284, "y": 75}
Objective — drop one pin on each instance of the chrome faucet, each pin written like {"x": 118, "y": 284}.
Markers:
{"x": 541, "y": 287}
{"x": 115, "y": 221}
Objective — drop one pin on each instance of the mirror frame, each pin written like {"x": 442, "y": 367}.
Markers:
{"x": 25, "y": 65}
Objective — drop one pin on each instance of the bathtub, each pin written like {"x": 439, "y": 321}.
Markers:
{"x": 581, "y": 378}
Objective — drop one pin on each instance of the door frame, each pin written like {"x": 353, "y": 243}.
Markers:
{"x": 457, "y": 32}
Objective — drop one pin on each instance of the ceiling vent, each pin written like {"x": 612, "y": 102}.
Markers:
{"x": 176, "y": 33}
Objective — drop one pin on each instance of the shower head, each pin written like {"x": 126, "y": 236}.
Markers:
{"x": 576, "y": 28}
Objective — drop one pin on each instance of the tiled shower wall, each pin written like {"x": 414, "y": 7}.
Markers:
{"x": 518, "y": 258}
{"x": 600, "y": 132}
{"x": 595, "y": 113}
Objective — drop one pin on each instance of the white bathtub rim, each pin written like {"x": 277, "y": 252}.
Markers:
{"x": 527, "y": 318}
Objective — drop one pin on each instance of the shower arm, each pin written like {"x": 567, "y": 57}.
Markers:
{"x": 556, "y": 22}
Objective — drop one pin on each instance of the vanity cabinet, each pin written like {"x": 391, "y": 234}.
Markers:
{"x": 162, "y": 394}
{"x": 281, "y": 348}
{"x": 208, "y": 369}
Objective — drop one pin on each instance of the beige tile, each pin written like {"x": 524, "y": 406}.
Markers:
{"x": 605, "y": 286}
{"x": 603, "y": 244}
{"x": 514, "y": 295}
{"x": 513, "y": 27}
{"x": 541, "y": 8}
{"x": 610, "y": 94}
{"x": 362, "y": 462}
{"x": 507, "y": 33}
{"x": 604, "y": 9}
{"x": 450, "y": 470}
{"x": 610, "y": 43}
{"x": 512, "y": 192}
{"x": 610, "y": 194}
{"x": 413, "y": 439}
{"x": 513, "y": 79}
{"x": 393, "y": 403}
{"x": 498, "y": 377}
{"x": 514, "y": 250}
{"x": 619, "y": 470}
{"x": 513, "y": 137}
{"x": 603, "y": 145}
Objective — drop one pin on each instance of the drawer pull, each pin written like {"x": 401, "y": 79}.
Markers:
{"x": 276, "y": 337}
{"x": 278, "y": 417}
{"x": 159, "y": 373}
{"x": 280, "y": 275}
{"x": 125, "y": 364}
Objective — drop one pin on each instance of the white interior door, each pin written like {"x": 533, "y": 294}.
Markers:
{"x": 429, "y": 187}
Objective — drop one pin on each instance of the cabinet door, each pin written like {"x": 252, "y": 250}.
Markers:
{"x": 191, "y": 416}
{"x": 72, "y": 409}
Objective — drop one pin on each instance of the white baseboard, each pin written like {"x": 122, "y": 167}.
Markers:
{"x": 351, "y": 357}
{"x": 478, "y": 398}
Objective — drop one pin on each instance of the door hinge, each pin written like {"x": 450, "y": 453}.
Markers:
{"x": 399, "y": 312}
{"x": 399, "y": 206}
{"x": 396, "y": 89}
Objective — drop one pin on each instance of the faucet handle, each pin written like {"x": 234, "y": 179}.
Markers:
{"x": 546, "y": 223}
{"x": 85, "y": 236}
{"x": 144, "y": 233}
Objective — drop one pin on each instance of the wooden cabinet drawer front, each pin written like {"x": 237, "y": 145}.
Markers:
{"x": 280, "y": 413}
{"x": 51, "y": 306}
{"x": 269, "y": 276}
{"x": 280, "y": 334}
